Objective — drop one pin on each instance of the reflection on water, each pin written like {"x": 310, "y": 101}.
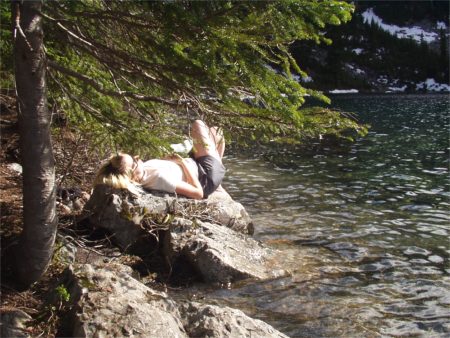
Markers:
{"x": 365, "y": 232}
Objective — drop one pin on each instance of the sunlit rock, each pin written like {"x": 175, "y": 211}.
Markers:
{"x": 108, "y": 302}
{"x": 222, "y": 255}
{"x": 212, "y": 235}
{"x": 128, "y": 216}
{"x": 203, "y": 320}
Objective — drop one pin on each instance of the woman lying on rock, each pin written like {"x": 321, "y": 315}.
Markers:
{"x": 196, "y": 177}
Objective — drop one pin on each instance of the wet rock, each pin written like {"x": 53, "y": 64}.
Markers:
{"x": 108, "y": 302}
{"x": 13, "y": 324}
{"x": 202, "y": 320}
{"x": 222, "y": 255}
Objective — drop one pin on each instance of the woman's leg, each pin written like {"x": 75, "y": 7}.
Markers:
{"x": 207, "y": 141}
{"x": 219, "y": 141}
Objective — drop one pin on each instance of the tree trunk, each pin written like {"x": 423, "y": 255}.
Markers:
{"x": 35, "y": 247}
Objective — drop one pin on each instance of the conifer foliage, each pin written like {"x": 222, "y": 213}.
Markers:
{"x": 136, "y": 70}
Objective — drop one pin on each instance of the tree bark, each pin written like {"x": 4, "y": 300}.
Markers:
{"x": 35, "y": 248}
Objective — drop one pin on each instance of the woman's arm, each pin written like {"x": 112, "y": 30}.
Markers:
{"x": 192, "y": 187}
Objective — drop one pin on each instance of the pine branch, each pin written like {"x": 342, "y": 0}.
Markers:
{"x": 69, "y": 32}
{"x": 99, "y": 87}
{"x": 118, "y": 16}
{"x": 105, "y": 54}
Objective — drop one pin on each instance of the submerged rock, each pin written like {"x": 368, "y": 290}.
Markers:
{"x": 108, "y": 302}
{"x": 204, "y": 320}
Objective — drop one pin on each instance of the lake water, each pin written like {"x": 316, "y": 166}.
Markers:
{"x": 363, "y": 230}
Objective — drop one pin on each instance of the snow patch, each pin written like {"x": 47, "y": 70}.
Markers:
{"x": 357, "y": 51}
{"x": 396, "y": 89}
{"x": 354, "y": 69}
{"x": 432, "y": 86}
{"x": 304, "y": 79}
{"x": 441, "y": 25}
{"x": 416, "y": 33}
{"x": 344, "y": 91}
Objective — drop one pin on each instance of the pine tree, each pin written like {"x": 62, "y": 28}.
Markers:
{"x": 35, "y": 248}
{"x": 132, "y": 70}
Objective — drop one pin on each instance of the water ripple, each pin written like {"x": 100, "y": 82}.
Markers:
{"x": 364, "y": 231}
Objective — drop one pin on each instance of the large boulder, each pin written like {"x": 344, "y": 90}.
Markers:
{"x": 220, "y": 254}
{"x": 204, "y": 320}
{"x": 224, "y": 210}
{"x": 212, "y": 235}
{"x": 108, "y": 302}
{"x": 129, "y": 216}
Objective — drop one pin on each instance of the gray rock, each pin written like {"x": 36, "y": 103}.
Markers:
{"x": 211, "y": 234}
{"x": 115, "y": 211}
{"x": 222, "y": 255}
{"x": 65, "y": 252}
{"x": 110, "y": 303}
{"x": 130, "y": 216}
{"x": 16, "y": 167}
{"x": 13, "y": 324}
{"x": 224, "y": 210}
{"x": 212, "y": 321}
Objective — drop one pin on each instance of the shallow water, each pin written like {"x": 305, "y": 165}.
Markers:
{"x": 364, "y": 230}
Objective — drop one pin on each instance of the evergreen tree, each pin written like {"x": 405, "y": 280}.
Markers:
{"x": 443, "y": 56}
{"x": 35, "y": 248}
{"x": 133, "y": 69}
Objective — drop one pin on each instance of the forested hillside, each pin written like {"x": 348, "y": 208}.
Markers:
{"x": 389, "y": 46}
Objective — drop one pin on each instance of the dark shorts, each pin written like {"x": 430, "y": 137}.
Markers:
{"x": 210, "y": 173}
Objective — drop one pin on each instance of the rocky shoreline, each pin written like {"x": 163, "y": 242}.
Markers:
{"x": 211, "y": 239}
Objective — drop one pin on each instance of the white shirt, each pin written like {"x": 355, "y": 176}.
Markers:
{"x": 165, "y": 175}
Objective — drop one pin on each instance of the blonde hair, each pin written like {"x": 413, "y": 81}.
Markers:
{"x": 115, "y": 173}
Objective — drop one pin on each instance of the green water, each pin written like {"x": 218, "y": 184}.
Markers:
{"x": 364, "y": 230}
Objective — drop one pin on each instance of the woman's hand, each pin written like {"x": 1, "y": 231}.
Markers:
{"x": 137, "y": 169}
{"x": 175, "y": 158}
